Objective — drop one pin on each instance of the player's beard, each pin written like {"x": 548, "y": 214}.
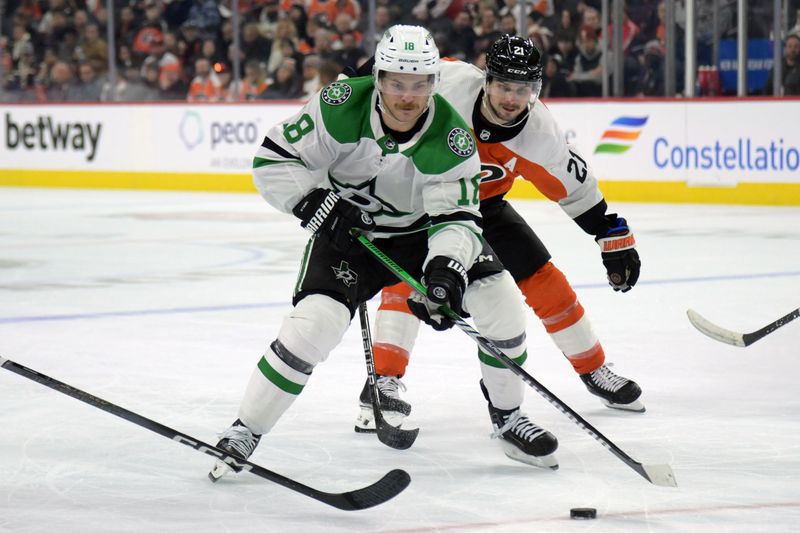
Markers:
{"x": 499, "y": 114}
{"x": 405, "y": 117}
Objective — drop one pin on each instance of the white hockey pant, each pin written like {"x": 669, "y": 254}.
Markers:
{"x": 308, "y": 334}
{"x": 496, "y": 306}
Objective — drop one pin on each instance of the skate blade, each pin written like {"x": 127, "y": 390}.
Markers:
{"x": 365, "y": 423}
{"x": 218, "y": 470}
{"x": 545, "y": 461}
{"x": 635, "y": 406}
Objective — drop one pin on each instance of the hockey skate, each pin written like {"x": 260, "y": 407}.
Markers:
{"x": 614, "y": 391}
{"x": 521, "y": 439}
{"x": 393, "y": 408}
{"x": 238, "y": 441}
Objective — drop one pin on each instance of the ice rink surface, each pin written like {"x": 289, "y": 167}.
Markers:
{"x": 163, "y": 303}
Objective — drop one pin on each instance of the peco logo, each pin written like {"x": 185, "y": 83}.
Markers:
{"x": 192, "y": 131}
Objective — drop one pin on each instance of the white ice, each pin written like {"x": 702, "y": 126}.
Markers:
{"x": 163, "y": 302}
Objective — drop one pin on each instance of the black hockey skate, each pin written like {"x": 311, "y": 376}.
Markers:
{"x": 614, "y": 391}
{"x": 238, "y": 441}
{"x": 521, "y": 439}
{"x": 393, "y": 408}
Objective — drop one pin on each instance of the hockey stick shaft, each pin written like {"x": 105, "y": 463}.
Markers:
{"x": 656, "y": 474}
{"x": 394, "y": 437}
{"x": 735, "y": 338}
{"x": 384, "y": 489}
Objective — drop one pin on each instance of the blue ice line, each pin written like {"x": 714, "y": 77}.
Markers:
{"x": 140, "y": 312}
{"x": 237, "y": 307}
{"x": 699, "y": 279}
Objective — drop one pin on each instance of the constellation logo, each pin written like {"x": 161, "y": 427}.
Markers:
{"x": 619, "y": 138}
{"x": 190, "y": 129}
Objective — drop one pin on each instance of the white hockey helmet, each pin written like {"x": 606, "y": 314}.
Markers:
{"x": 407, "y": 50}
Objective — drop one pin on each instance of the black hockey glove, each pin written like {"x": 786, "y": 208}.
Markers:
{"x": 618, "y": 249}
{"x": 325, "y": 213}
{"x": 446, "y": 279}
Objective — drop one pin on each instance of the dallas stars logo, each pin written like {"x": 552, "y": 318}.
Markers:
{"x": 336, "y": 93}
{"x": 363, "y": 195}
{"x": 343, "y": 273}
{"x": 460, "y": 142}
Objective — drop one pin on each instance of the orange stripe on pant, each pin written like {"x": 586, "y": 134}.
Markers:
{"x": 392, "y": 360}
{"x": 551, "y": 297}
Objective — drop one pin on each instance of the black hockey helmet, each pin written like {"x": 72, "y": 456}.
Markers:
{"x": 513, "y": 58}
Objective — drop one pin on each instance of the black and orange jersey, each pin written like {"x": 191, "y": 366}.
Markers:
{"x": 535, "y": 150}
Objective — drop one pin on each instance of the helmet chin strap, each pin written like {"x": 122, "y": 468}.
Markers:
{"x": 491, "y": 114}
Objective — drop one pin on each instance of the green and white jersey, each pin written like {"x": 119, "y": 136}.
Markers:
{"x": 336, "y": 141}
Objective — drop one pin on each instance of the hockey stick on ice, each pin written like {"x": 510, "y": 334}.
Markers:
{"x": 656, "y": 474}
{"x": 394, "y": 437}
{"x": 389, "y": 486}
{"x": 733, "y": 337}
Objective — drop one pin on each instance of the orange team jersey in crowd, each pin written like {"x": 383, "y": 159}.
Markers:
{"x": 205, "y": 89}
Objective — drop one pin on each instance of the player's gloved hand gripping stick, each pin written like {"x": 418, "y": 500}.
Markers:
{"x": 656, "y": 474}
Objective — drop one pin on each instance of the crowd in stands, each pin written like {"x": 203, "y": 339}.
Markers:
{"x": 57, "y": 50}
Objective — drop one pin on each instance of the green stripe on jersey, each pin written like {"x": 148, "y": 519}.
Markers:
{"x": 348, "y": 121}
{"x": 490, "y": 360}
{"x": 278, "y": 380}
{"x": 259, "y": 162}
{"x": 435, "y": 151}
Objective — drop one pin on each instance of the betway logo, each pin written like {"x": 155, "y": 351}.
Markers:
{"x": 47, "y": 134}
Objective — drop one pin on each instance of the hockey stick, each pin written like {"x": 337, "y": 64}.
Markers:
{"x": 656, "y": 474}
{"x": 733, "y": 337}
{"x": 394, "y": 437}
{"x": 386, "y": 488}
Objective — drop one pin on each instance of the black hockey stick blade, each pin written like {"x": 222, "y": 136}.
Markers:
{"x": 656, "y": 474}
{"x": 386, "y": 488}
{"x": 734, "y": 338}
{"x": 392, "y": 436}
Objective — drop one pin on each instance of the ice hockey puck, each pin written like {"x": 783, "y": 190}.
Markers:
{"x": 583, "y": 513}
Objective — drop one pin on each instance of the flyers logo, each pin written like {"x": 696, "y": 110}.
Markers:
{"x": 492, "y": 173}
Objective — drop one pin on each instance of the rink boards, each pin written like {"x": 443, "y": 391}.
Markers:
{"x": 738, "y": 151}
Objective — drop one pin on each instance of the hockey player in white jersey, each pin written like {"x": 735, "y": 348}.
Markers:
{"x": 407, "y": 163}
{"x": 518, "y": 137}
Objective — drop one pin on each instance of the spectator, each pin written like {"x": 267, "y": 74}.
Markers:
{"x": 460, "y": 41}
{"x": 334, "y": 8}
{"x": 323, "y": 44}
{"x": 254, "y": 45}
{"x": 89, "y": 87}
{"x": 555, "y": 84}
{"x": 288, "y": 85}
{"x": 565, "y": 47}
{"x": 127, "y": 26}
{"x": 60, "y": 81}
{"x": 587, "y": 74}
{"x": 254, "y": 82}
{"x": 791, "y": 67}
{"x": 652, "y": 83}
{"x": 205, "y": 14}
{"x": 205, "y": 86}
{"x": 383, "y": 20}
{"x": 350, "y": 52}
{"x": 268, "y": 19}
{"x": 284, "y": 29}
{"x": 566, "y": 25}
{"x": 189, "y": 44}
{"x": 171, "y": 85}
{"x": 343, "y": 23}
{"x": 508, "y": 24}
{"x": 311, "y": 84}
{"x": 151, "y": 31}
{"x": 328, "y": 72}
{"x": 486, "y": 31}
{"x": 94, "y": 48}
